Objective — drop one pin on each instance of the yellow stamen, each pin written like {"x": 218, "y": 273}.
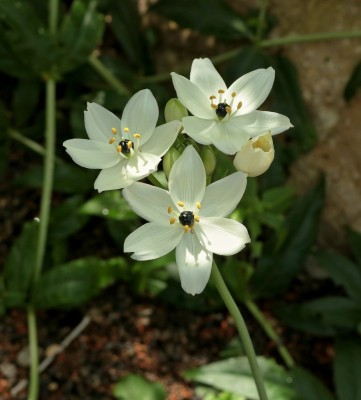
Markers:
{"x": 180, "y": 203}
{"x": 172, "y": 220}
{"x": 214, "y": 106}
{"x": 186, "y": 228}
{"x": 196, "y": 217}
{"x": 228, "y": 109}
{"x": 137, "y": 135}
{"x": 129, "y": 144}
{"x": 239, "y": 105}
{"x": 126, "y": 129}
{"x": 114, "y": 131}
{"x": 198, "y": 205}
{"x": 221, "y": 91}
{"x": 119, "y": 149}
{"x": 169, "y": 210}
{"x": 112, "y": 140}
{"x": 212, "y": 97}
{"x": 234, "y": 94}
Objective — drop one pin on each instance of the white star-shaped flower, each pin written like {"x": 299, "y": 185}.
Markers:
{"x": 188, "y": 217}
{"x": 125, "y": 150}
{"x": 225, "y": 117}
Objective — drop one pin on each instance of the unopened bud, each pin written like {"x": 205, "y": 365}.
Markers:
{"x": 174, "y": 110}
{"x": 209, "y": 159}
{"x": 256, "y": 155}
{"x": 168, "y": 160}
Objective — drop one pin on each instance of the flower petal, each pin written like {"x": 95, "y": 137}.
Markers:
{"x": 198, "y": 129}
{"x": 192, "y": 97}
{"x": 140, "y": 115}
{"x": 187, "y": 179}
{"x": 205, "y": 76}
{"x": 194, "y": 264}
{"x": 222, "y": 236}
{"x": 222, "y": 197}
{"x": 99, "y": 122}
{"x": 259, "y": 122}
{"x": 91, "y": 154}
{"x": 113, "y": 178}
{"x": 152, "y": 240}
{"x": 141, "y": 165}
{"x": 252, "y": 89}
{"x": 150, "y": 202}
{"x": 162, "y": 138}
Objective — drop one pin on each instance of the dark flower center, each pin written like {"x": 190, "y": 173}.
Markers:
{"x": 124, "y": 146}
{"x": 186, "y": 218}
{"x": 221, "y": 110}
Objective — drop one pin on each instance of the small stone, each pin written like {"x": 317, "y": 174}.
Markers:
{"x": 8, "y": 370}
{"x": 23, "y": 357}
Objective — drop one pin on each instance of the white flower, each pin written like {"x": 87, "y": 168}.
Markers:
{"x": 225, "y": 117}
{"x": 256, "y": 155}
{"x": 188, "y": 217}
{"x": 125, "y": 150}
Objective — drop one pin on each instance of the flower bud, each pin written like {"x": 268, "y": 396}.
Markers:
{"x": 256, "y": 155}
{"x": 209, "y": 159}
{"x": 174, "y": 110}
{"x": 168, "y": 160}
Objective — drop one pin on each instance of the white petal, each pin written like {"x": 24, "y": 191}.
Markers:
{"x": 259, "y": 122}
{"x": 198, "y": 128}
{"x": 99, "y": 122}
{"x": 222, "y": 236}
{"x": 91, "y": 154}
{"x": 187, "y": 179}
{"x": 162, "y": 138}
{"x": 152, "y": 240}
{"x": 205, "y": 76}
{"x": 141, "y": 165}
{"x": 222, "y": 197}
{"x": 113, "y": 178}
{"x": 194, "y": 264}
{"x": 140, "y": 115}
{"x": 252, "y": 89}
{"x": 150, "y": 202}
{"x": 192, "y": 97}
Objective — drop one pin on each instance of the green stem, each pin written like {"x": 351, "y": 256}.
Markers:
{"x": 242, "y": 330}
{"x": 271, "y": 333}
{"x": 261, "y": 20}
{"x": 34, "y": 356}
{"x": 107, "y": 75}
{"x": 53, "y": 16}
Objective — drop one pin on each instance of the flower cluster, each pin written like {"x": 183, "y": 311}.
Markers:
{"x": 190, "y": 216}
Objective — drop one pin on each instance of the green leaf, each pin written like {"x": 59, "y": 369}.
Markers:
{"x": 20, "y": 265}
{"x": 278, "y": 199}
{"x": 343, "y": 272}
{"x": 211, "y": 17}
{"x": 325, "y": 316}
{"x": 234, "y": 375}
{"x": 135, "y": 387}
{"x": 79, "y": 34}
{"x": 110, "y": 205}
{"x": 4, "y": 139}
{"x": 354, "y": 83}
{"x": 308, "y": 387}
{"x": 347, "y": 366}
{"x": 286, "y": 255}
{"x": 25, "y": 100}
{"x": 355, "y": 243}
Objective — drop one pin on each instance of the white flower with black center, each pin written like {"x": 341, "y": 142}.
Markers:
{"x": 225, "y": 117}
{"x": 126, "y": 150}
{"x": 189, "y": 217}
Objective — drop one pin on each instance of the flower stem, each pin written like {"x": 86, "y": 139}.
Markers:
{"x": 261, "y": 20}
{"x": 107, "y": 75}
{"x": 34, "y": 356}
{"x": 242, "y": 330}
{"x": 271, "y": 333}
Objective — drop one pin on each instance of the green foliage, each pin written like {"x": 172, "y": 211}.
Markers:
{"x": 354, "y": 83}
{"x": 134, "y": 387}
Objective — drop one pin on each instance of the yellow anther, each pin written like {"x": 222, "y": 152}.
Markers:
{"x": 198, "y": 205}
{"x": 112, "y": 140}
{"x": 119, "y": 149}
{"x": 239, "y": 105}
{"x": 228, "y": 109}
{"x": 172, "y": 220}
{"x": 234, "y": 94}
{"x": 196, "y": 218}
{"x": 137, "y": 135}
{"x": 114, "y": 130}
{"x": 180, "y": 203}
{"x": 126, "y": 129}
{"x": 221, "y": 91}
{"x": 129, "y": 144}
{"x": 214, "y": 106}
{"x": 186, "y": 228}
{"x": 212, "y": 97}
{"x": 169, "y": 210}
